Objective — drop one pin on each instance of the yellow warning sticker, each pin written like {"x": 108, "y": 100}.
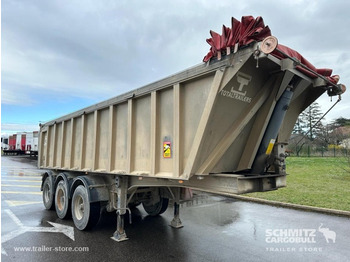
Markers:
{"x": 270, "y": 147}
{"x": 167, "y": 149}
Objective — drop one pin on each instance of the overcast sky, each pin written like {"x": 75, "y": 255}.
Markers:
{"x": 60, "y": 56}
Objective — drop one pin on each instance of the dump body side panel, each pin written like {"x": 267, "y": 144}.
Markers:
{"x": 129, "y": 137}
{"x": 208, "y": 119}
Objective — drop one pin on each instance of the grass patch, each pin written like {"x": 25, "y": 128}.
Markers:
{"x": 314, "y": 181}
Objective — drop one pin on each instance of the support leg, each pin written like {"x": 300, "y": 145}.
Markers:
{"x": 121, "y": 190}
{"x": 176, "y": 222}
{"x": 120, "y": 235}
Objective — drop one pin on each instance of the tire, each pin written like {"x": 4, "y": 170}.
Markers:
{"x": 133, "y": 205}
{"x": 48, "y": 194}
{"x": 85, "y": 214}
{"x": 62, "y": 203}
{"x": 158, "y": 208}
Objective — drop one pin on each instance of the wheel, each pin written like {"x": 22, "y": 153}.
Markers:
{"x": 85, "y": 214}
{"x": 62, "y": 203}
{"x": 157, "y": 208}
{"x": 48, "y": 194}
{"x": 133, "y": 205}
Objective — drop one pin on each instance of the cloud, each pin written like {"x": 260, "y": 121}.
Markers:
{"x": 99, "y": 49}
{"x": 13, "y": 97}
{"x": 13, "y": 128}
{"x": 92, "y": 49}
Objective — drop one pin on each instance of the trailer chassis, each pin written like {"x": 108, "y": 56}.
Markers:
{"x": 119, "y": 193}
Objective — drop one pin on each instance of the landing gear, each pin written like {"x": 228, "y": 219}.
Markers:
{"x": 119, "y": 235}
{"x": 176, "y": 222}
{"x": 121, "y": 189}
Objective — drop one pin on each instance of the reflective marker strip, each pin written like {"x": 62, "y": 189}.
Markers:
{"x": 270, "y": 147}
{"x": 16, "y": 192}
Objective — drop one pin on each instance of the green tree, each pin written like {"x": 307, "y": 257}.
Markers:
{"x": 315, "y": 125}
{"x": 309, "y": 130}
{"x": 309, "y": 122}
{"x": 341, "y": 121}
{"x": 299, "y": 127}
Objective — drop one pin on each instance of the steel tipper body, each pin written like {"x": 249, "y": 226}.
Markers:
{"x": 219, "y": 127}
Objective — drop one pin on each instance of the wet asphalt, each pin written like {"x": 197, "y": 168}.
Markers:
{"x": 215, "y": 228}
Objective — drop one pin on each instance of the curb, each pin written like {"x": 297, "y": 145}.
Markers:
{"x": 328, "y": 211}
{"x": 293, "y": 206}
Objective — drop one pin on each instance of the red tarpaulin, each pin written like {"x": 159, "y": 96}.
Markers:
{"x": 241, "y": 33}
{"x": 249, "y": 30}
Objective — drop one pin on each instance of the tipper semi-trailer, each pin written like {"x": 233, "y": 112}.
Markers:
{"x": 220, "y": 127}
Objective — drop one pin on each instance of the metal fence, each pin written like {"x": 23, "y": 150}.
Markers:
{"x": 314, "y": 151}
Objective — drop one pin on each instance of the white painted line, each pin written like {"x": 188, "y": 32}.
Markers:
{"x": 14, "y": 203}
{"x": 22, "y": 193}
{"x": 20, "y": 180}
{"x": 57, "y": 228}
{"x": 3, "y": 251}
{"x": 7, "y": 185}
{"x": 24, "y": 177}
{"x": 14, "y": 218}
